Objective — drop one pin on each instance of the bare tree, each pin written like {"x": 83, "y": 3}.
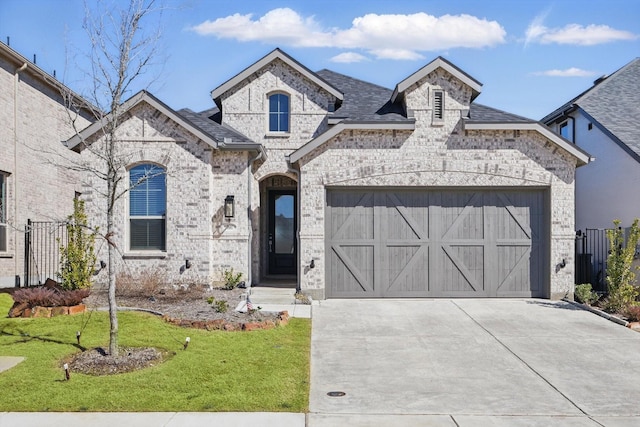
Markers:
{"x": 121, "y": 51}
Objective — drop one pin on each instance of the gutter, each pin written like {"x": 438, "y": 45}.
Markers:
{"x": 16, "y": 80}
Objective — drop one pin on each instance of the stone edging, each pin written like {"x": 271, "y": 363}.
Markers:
{"x": 23, "y": 310}
{"x": 600, "y": 313}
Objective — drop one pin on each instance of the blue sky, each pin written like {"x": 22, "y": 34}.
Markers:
{"x": 530, "y": 55}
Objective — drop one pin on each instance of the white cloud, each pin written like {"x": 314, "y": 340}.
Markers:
{"x": 348, "y": 57}
{"x": 569, "y": 72}
{"x": 384, "y": 36}
{"x": 278, "y": 25}
{"x": 574, "y": 34}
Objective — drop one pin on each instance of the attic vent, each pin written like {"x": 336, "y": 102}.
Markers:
{"x": 438, "y": 105}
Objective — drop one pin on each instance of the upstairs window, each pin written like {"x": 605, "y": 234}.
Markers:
{"x": 278, "y": 113}
{"x": 3, "y": 212}
{"x": 564, "y": 130}
{"x": 438, "y": 106}
{"x": 147, "y": 208}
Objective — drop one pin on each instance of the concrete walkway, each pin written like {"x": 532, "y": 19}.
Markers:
{"x": 462, "y": 363}
{"x": 442, "y": 363}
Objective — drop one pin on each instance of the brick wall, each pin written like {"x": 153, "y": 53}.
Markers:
{"x": 40, "y": 185}
{"x": 438, "y": 156}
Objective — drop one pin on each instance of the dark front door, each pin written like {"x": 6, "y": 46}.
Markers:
{"x": 282, "y": 232}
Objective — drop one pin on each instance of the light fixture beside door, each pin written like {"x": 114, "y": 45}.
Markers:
{"x": 229, "y": 207}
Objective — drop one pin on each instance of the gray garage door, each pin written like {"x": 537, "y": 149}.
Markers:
{"x": 445, "y": 243}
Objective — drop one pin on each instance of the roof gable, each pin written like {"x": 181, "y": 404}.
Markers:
{"x": 270, "y": 57}
{"x": 185, "y": 120}
{"x": 439, "y": 62}
{"x": 612, "y": 102}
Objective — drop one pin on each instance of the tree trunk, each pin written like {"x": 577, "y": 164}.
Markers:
{"x": 113, "y": 308}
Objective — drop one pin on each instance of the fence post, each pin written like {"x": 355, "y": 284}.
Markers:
{"x": 27, "y": 250}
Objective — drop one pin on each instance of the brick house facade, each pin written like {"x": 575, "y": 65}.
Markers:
{"x": 342, "y": 188}
{"x": 34, "y": 120}
{"x": 347, "y": 189}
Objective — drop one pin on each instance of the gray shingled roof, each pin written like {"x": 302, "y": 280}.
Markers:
{"x": 614, "y": 103}
{"x": 482, "y": 114}
{"x": 221, "y": 133}
{"x": 368, "y": 102}
{"x": 363, "y": 101}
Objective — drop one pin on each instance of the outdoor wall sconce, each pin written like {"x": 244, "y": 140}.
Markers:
{"x": 563, "y": 264}
{"x": 229, "y": 207}
{"x": 312, "y": 264}
{"x": 187, "y": 264}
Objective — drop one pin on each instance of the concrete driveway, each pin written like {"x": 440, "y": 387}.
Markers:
{"x": 464, "y": 362}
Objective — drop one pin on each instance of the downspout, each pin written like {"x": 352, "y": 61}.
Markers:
{"x": 298, "y": 261}
{"x": 15, "y": 165}
{"x": 249, "y": 217}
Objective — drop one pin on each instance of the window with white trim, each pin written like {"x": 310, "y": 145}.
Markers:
{"x": 3, "y": 212}
{"x": 438, "y": 106}
{"x": 147, "y": 208}
{"x": 278, "y": 113}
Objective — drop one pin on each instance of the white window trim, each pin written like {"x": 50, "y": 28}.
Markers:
{"x": 138, "y": 253}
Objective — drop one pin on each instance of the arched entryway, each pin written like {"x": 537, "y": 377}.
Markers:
{"x": 279, "y": 230}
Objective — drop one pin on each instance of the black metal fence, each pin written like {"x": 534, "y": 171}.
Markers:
{"x": 42, "y": 240}
{"x": 592, "y": 250}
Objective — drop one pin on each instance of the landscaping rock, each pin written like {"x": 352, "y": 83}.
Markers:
{"x": 18, "y": 309}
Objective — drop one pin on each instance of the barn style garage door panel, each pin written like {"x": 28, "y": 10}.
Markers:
{"x": 435, "y": 243}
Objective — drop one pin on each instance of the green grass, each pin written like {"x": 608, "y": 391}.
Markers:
{"x": 220, "y": 371}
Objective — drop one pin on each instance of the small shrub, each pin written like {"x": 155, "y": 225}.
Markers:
{"x": 219, "y": 305}
{"x": 304, "y": 299}
{"x": 78, "y": 256}
{"x": 73, "y": 297}
{"x": 624, "y": 296}
{"x": 42, "y": 297}
{"x": 231, "y": 279}
{"x": 146, "y": 284}
{"x": 49, "y": 297}
{"x": 620, "y": 274}
{"x": 633, "y": 313}
{"x": 585, "y": 294}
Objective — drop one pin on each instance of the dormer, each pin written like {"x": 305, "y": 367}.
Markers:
{"x": 276, "y": 97}
{"x": 437, "y": 89}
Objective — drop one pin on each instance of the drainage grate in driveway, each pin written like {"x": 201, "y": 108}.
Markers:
{"x": 336, "y": 393}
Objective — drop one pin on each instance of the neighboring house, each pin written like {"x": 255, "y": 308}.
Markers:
{"x": 34, "y": 120}
{"x": 603, "y": 121}
{"x": 346, "y": 189}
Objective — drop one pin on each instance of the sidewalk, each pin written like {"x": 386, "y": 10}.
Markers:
{"x": 152, "y": 419}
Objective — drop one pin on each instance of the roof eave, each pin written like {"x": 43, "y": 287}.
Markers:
{"x": 142, "y": 96}
{"x": 47, "y": 78}
{"x": 275, "y": 54}
{"x": 243, "y": 146}
{"x": 439, "y": 62}
{"x": 582, "y": 156}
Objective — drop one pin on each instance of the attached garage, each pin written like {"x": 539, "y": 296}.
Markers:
{"x": 437, "y": 243}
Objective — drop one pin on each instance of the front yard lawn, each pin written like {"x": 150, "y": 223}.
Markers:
{"x": 219, "y": 371}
